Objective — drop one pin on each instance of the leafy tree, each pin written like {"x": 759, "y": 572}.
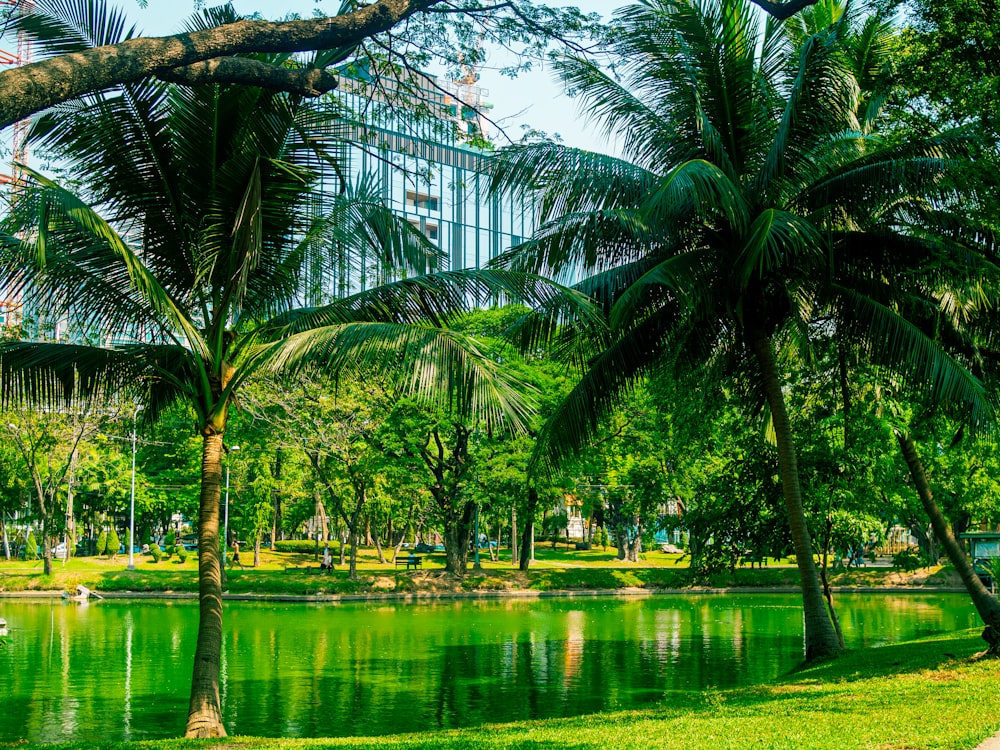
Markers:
{"x": 443, "y": 447}
{"x": 47, "y": 445}
{"x": 748, "y": 205}
{"x": 14, "y": 491}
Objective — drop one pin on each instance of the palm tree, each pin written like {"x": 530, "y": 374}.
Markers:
{"x": 200, "y": 211}
{"x": 748, "y": 195}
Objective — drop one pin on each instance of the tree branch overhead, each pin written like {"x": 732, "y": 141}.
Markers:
{"x": 40, "y": 85}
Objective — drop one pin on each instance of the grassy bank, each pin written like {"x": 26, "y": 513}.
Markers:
{"x": 554, "y": 570}
{"x": 913, "y": 696}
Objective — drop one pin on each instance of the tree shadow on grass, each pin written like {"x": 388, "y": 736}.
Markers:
{"x": 900, "y": 658}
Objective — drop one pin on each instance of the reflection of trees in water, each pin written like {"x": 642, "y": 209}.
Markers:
{"x": 350, "y": 670}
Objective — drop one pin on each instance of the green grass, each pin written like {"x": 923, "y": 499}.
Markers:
{"x": 554, "y": 570}
{"x": 923, "y": 695}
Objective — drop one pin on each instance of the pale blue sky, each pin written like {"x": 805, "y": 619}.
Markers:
{"x": 535, "y": 99}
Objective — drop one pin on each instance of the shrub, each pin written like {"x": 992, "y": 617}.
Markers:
{"x": 155, "y": 552}
{"x": 601, "y": 537}
{"x": 171, "y": 539}
{"x": 113, "y": 542}
{"x": 295, "y": 545}
{"x": 168, "y": 551}
{"x": 908, "y": 559}
{"x": 182, "y": 554}
{"x": 102, "y": 542}
{"x": 31, "y": 553}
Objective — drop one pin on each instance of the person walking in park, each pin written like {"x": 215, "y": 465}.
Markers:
{"x": 236, "y": 555}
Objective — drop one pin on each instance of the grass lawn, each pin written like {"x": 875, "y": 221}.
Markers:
{"x": 556, "y": 569}
{"x": 922, "y": 695}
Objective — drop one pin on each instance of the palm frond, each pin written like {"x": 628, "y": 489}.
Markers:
{"x": 123, "y": 273}
{"x": 577, "y": 244}
{"x": 897, "y": 345}
{"x": 609, "y": 379}
{"x": 60, "y": 27}
{"x": 567, "y": 180}
{"x": 823, "y": 98}
{"x": 696, "y": 188}
{"x": 682, "y": 278}
{"x": 775, "y": 240}
{"x": 647, "y": 135}
{"x": 434, "y": 300}
{"x": 435, "y": 365}
{"x": 49, "y": 374}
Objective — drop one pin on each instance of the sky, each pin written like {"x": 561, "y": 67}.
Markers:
{"x": 534, "y": 99}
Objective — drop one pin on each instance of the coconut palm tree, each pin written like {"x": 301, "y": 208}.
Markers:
{"x": 747, "y": 196}
{"x": 181, "y": 256}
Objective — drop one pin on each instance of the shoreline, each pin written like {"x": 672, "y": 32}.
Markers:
{"x": 419, "y": 597}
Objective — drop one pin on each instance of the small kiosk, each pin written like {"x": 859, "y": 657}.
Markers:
{"x": 983, "y": 544}
{"x": 984, "y": 548}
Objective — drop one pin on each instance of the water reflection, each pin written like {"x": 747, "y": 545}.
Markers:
{"x": 122, "y": 670}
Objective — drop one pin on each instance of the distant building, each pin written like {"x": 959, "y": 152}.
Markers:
{"x": 427, "y": 151}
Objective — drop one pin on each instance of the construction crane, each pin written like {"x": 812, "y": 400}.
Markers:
{"x": 472, "y": 99}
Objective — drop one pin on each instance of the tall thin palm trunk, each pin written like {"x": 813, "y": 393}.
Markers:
{"x": 820, "y": 636}
{"x": 985, "y": 603}
{"x": 204, "y": 711}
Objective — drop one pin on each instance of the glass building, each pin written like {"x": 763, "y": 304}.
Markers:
{"x": 425, "y": 144}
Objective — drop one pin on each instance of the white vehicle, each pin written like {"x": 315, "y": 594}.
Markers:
{"x": 59, "y": 552}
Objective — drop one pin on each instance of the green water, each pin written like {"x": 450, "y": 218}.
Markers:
{"x": 118, "y": 670}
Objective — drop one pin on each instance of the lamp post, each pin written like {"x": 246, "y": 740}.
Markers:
{"x": 225, "y": 531}
{"x": 131, "y": 514}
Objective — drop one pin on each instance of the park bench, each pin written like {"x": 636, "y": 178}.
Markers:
{"x": 751, "y": 558}
{"x": 306, "y": 569}
{"x": 411, "y": 561}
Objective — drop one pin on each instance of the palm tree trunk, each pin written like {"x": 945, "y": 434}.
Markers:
{"x": 820, "y": 636}
{"x": 986, "y": 604}
{"x": 204, "y": 712}
{"x": 827, "y": 591}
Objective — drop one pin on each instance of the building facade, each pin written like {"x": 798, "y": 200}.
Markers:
{"x": 426, "y": 146}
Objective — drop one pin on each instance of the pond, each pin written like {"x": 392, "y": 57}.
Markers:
{"x": 121, "y": 670}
